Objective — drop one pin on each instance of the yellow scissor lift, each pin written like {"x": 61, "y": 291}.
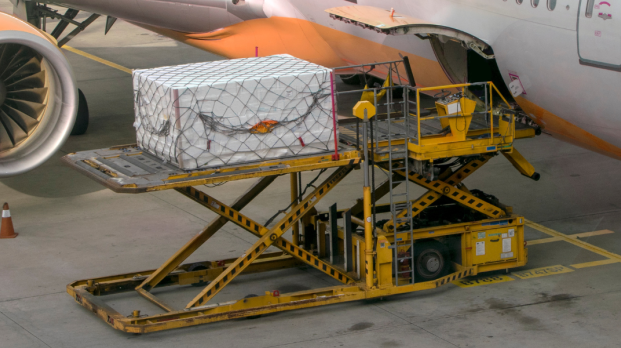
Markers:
{"x": 373, "y": 260}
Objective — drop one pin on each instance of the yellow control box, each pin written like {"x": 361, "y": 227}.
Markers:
{"x": 496, "y": 244}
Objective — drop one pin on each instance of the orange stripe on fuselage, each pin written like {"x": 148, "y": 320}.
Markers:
{"x": 566, "y": 131}
{"x": 305, "y": 40}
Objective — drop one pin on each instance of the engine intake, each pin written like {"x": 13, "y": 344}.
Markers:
{"x": 38, "y": 97}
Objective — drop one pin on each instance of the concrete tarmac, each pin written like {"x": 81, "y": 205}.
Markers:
{"x": 72, "y": 228}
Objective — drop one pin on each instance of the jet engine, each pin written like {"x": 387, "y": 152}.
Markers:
{"x": 38, "y": 96}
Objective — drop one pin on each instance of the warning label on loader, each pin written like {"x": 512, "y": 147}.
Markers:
{"x": 480, "y": 248}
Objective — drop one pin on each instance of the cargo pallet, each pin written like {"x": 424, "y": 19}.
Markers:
{"x": 408, "y": 252}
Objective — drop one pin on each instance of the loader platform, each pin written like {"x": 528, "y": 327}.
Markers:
{"x": 373, "y": 250}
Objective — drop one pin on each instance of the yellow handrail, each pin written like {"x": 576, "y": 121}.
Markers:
{"x": 463, "y": 86}
{"x": 500, "y": 94}
{"x": 444, "y": 87}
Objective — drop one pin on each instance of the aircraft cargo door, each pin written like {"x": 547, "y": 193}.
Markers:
{"x": 599, "y": 33}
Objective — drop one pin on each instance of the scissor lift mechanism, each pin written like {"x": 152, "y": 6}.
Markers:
{"x": 127, "y": 169}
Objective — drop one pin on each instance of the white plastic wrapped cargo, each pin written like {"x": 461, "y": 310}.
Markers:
{"x": 234, "y": 111}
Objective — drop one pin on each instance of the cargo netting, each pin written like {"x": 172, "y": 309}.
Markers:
{"x": 234, "y": 111}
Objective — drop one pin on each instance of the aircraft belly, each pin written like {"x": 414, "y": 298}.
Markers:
{"x": 316, "y": 43}
{"x": 555, "y": 82}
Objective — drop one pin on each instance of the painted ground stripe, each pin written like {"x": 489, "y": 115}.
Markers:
{"x": 594, "y": 263}
{"x": 471, "y": 282}
{"x": 542, "y": 272}
{"x": 574, "y": 236}
{"x": 97, "y": 59}
{"x": 573, "y": 241}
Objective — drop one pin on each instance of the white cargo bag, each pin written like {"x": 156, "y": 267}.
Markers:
{"x": 234, "y": 111}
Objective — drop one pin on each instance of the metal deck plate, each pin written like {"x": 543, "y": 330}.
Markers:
{"x": 127, "y": 169}
{"x": 350, "y": 130}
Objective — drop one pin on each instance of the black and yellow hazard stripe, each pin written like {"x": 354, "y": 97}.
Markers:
{"x": 259, "y": 230}
{"x": 453, "y": 277}
{"x": 431, "y": 196}
{"x": 224, "y": 210}
{"x": 418, "y": 206}
{"x": 467, "y": 169}
{"x": 269, "y": 238}
{"x": 461, "y": 197}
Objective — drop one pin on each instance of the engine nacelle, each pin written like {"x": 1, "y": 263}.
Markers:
{"x": 38, "y": 96}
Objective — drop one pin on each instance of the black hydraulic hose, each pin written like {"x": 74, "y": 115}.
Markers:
{"x": 408, "y": 71}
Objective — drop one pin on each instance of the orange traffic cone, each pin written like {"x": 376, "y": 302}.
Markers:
{"x": 6, "y": 230}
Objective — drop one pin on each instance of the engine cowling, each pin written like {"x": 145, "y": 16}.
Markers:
{"x": 38, "y": 96}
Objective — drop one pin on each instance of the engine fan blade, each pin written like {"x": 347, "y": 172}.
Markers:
{"x": 37, "y": 95}
{"x": 30, "y": 68}
{"x": 31, "y": 109}
{"x": 26, "y": 122}
{"x": 15, "y": 133}
{"x": 33, "y": 81}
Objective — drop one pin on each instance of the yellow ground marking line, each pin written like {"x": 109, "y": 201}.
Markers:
{"x": 543, "y": 240}
{"x": 550, "y": 270}
{"x": 574, "y": 236}
{"x": 470, "y": 282}
{"x": 542, "y": 272}
{"x": 594, "y": 263}
{"x": 574, "y": 241}
{"x": 97, "y": 59}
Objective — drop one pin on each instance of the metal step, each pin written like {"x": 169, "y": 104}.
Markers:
{"x": 391, "y": 129}
{"x": 399, "y": 181}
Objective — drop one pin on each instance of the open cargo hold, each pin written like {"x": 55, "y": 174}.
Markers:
{"x": 234, "y": 111}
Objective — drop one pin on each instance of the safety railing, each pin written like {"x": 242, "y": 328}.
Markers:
{"x": 415, "y": 113}
{"x": 465, "y": 103}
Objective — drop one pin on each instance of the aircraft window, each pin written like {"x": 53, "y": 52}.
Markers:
{"x": 519, "y": 2}
{"x": 551, "y": 5}
{"x": 534, "y": 3}
{"x": 589, "y": 8}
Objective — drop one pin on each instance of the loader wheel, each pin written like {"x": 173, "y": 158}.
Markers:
{"x": 198, "y": 267}
{"x": 430, "y": 260}
{"x": 81, "y": 121}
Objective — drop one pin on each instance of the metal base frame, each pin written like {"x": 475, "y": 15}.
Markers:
{"x": 217, "y": 274}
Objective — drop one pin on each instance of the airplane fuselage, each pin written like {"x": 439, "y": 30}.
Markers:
{"x": 566, "y": 56}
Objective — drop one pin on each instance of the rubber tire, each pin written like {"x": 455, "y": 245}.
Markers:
{"x": 198, "y": 267}
{"x": 81, "y": 121}
{"x": 435, "y": 247}
{"x": 352, "y": 80}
